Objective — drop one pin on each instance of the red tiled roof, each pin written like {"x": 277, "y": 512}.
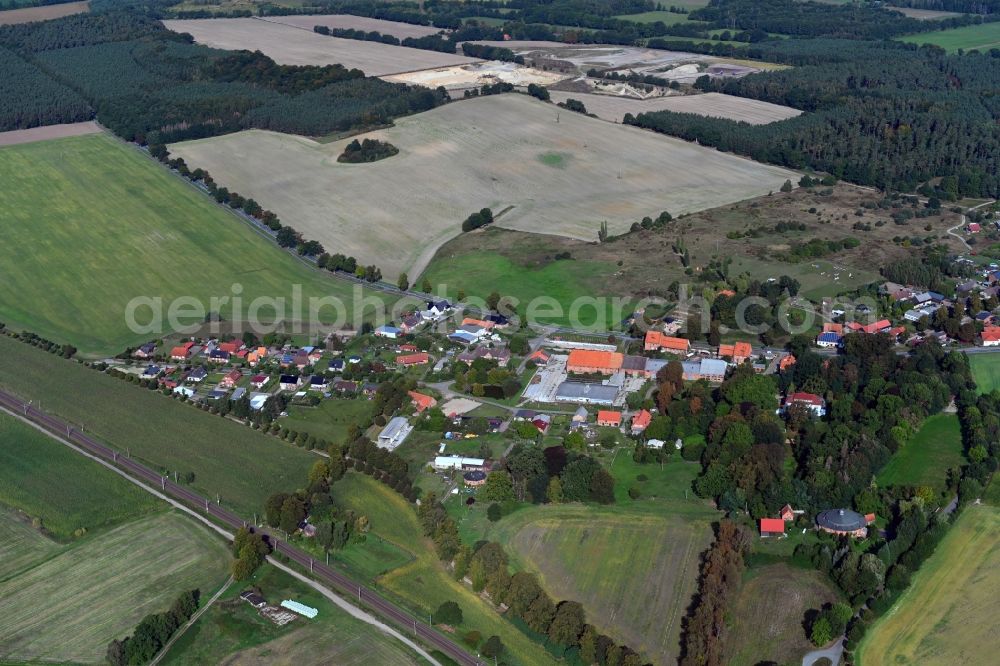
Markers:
{"x": 870, "y": 518}
{"x": 772, "y": 525}
{"x": 413, "y": 359}
{"x": 583, "y": 358}
{"x": 737, "y": 350}
{"x": 666, "y": 342}
{"x": 421, "y": 400}
{"x": 608, "y": 416}
{"x": 642, "y": 419}
{"x": 991, "y": 333}
{"x": 810, "y": 398}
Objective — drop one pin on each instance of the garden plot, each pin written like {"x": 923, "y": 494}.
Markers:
{"x": 546, "y": 170}
{"x": 288, "y": 45}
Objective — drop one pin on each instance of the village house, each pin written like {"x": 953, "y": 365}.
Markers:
{"x": 737, "y": 352}
{"x": 641, "y": 421}
{"x": 772, "y": 527}
{"x": 656, "y": 341}
{"x": 434, "y": 310}
{"x": 231, "y": 347}
{"x": 880, "y": 326}
{"x": 672, "y": 325}
{"x": 580, "y": 416}
{"x": 343, "y": 386}
{"x": 501, "y": 355}
{"x": 540, "y": 356}
{"x": 478, "y": 323}
{"x": 196, "y": 375}
{"x": 390, "y": 332}
{"x": 609, "y": 418}
{"x": 289, "y": 382}
{"x": 218, "y": 356}
{"x": 814, "y": 403}
{"x": 828, "y": 339}
{"x": 147, "y": 350}
{"x": 409, "y": 360}
{"x": 710, "y": 369}
{"x": 257, "y": 381}
{"x": 182, "y": 352}
{"x": 410, "y": 322}
{"x": 991, "y": 336}
{"x": 318, "y": 383}
{"x": 421, "y": 401}
{"x": 230, "y": 379}
{"x": 786, "y": 362}
{"x": 151, "y": 371}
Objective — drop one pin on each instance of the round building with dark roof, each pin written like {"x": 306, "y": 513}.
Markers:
{"x": 842, "y": 521}
{"x": 474, "y": 478}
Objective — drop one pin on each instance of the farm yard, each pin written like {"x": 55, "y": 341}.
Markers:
{"x": 91, "y": 224}
{"x": 349, "y": 22}
{"x": 289, "y": 45}
{"x": 52, "y": 484}
{"x": 232, "y": 632}
{"x": 67, "y": 608}
{"x": 927, "y": 457}
{"x": 715, "y": 105}
{"x": 43, "y": 13}
{"x": 768, "y": 613}
{"x": 539, "y": 169}
{"x": 157, "y": 430}
{"x": 949, "y": 614}
{"x": 984, "y": 37}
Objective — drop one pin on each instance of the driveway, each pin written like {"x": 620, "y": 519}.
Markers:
{"x": 833, "y": 653}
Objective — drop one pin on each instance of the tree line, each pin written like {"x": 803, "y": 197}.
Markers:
{"x": 153, "y": 632}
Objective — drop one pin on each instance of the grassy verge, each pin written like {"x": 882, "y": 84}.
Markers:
{"x": 237, "y": 463}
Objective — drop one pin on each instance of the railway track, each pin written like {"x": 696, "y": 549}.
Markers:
{"x": 335, "y": 579}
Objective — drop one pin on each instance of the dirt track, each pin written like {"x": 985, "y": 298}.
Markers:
{"x": 34, "y": 134}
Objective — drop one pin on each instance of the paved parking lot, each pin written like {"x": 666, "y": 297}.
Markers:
{"x": 549, "y": 378}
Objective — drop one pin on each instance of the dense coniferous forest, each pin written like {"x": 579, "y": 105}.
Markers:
{"x": 28, "y": 97}
{"x": 879, "y": 113}
{"x": 151, "y": 85}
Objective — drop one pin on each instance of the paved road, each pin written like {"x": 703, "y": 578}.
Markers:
{"x": 833, "y": 653}
{"x": 328, "y": 575}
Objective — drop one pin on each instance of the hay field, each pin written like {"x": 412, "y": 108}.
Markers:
{"x": 288, "y": 45}
{"x": 508, "y": 151}
{"x": 949, "y": 614}
{"x": 606, "y": 560}
{"x": 984, "y": 37}
{"x": 713, "y": 105}
{"x": 68, "y": 608}
{"x": 347, "y": 21}
{"x": 44, "y": 13}
{"x": 90, "y": 223}
{"x": 22, "y": 545}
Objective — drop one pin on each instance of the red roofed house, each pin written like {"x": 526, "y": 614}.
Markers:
{"x": 421, "y": 401}
{"x": 540, "y": 356}
{"x": 880, "y": 326}
{"x": 609, "y": 418}
{"x": 787, "y": 513}
{"x": 830, "y": 327}
{"x": 592, "y": 362}
{"x": 230, "y": 347}
{"x": 772, "y": 527}
{"x": 786, "y": 362}
{"x": 229, "y": 381}
{"x": 738, "y": 352}
{"x": 258, "y": 381}
{"x": 974, "y": 228}
{"x": 641, "y": 421}
{"x": 408, "y": 348}
{"x": 182, "y": 352}
{"x": 991, "y": 336}
{"x": 656, "y": 341}
{"x": 813, "y": 402}
{"x": 870, "y": 518}
{"x": 408, "y": 360}
{"x": 727, "y": 292}
{"x": 469, "y": 321}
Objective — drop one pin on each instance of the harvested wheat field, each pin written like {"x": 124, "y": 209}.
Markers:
{"x": 43, "y": 13}
{"x": 15, "y": 137}
{"x": 287, "y": 45}
{"x": 715, "y": 105}
{"x": 552, "y": 171}
{"x": 348, "y": 22}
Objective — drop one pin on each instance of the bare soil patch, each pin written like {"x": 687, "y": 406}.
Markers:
{"x": 715, "y": 105}
{"x": 288, "y": 45}
{"x": 348, "y": 22}
{"x": 46, "y": 13}
{"x": 14, "y": 137}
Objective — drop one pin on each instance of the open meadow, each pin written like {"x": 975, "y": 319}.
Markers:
{"x": 767, "y": 616}
{"x": 423, "y": 584}
{"x": 926, "y": 459}
{"x": 90, "y": 224}
{"x": 42, "y": 13}
{"x": 232, "y": 632}
{"x": 240, "y": 464}
{"x": 949, "y": 614}
{"x": 984, "y": 37}
{"x": 548, "y": 171}
{"x": 53, "y": 484}
{"x": 328, "y": 420}
{"x": 715, "y": 105}
{"x": 67, "y": 608}
{"x": 986, "y": 371}
{"x": 290, "y": 45}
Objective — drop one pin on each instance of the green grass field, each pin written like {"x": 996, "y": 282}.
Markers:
{"x": 925, "y": 460}
{"x": 233, "y": 632}
{"x": 69, "y": 607}
{"x": 986, "y": 371}
{"x": 22, "y": 545}
{"x": 984, "y": 37}
{"x": 48, "y": 481}
{"x": 240, "y": 464}
{"x": 424, "y": 584}
{"x": 766, "y": 618}
{"x": 330, "y": 419}
{"x": 949, "y": 614}
{"x": 669, "y": 18}
{"x": 90, "y": 224}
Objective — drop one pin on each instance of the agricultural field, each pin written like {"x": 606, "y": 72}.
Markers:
{"x": 46, "y": 481}
{"x": 43, "y": 13}
{"x": 288, "y": 45}
{"x": 91, "y": 224}
{"x": 231, "y": 632}
{"x": 924, "y": 14}
{"x": 643, "y": 263}
{"x": 538, "y": 169}
{"x": 766, "y": 618}
{"x": 22, "y": 545}
{"x": 349, "y": 22}
{"x": 328, "y": 420}
{"x": 423, "y": 584}
{"x": 241, "y": 465}
{"x": 100, "y": 589}
{"x": 926, "y": 459}
{"x": 986, "y": 371}
{"x": 949, "y": 614}
{"x": 715, "y": 105}
{"x": 984, "y": 37}
{"x": 656, "y": 16}
{"x": 15, "y": 137}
